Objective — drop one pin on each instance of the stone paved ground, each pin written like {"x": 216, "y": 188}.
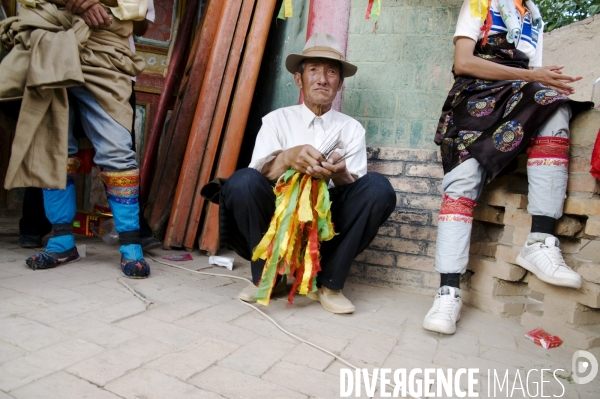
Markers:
{"x": 76, "y": 332}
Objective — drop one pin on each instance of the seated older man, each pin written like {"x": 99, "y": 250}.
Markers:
{"x": 291, "y": 138}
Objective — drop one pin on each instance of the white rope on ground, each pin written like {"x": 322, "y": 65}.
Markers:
{"x": 271, "y": 319}
{"x": 136, "y": 294}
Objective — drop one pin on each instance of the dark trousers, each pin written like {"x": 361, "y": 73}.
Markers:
{"x": 34, "y": 221}
{"x": 357, "y": 210}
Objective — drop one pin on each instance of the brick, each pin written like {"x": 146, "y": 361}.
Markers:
{"x": 397, "y": 245}
{"x": 497, "y": 306}
{"x": 313, "y": 383}
{"x": 502, "y": 198}
{"x": 244, "y": 358}
{"x": 432, "y": 202}
{"x": 588, "y": 294}
{"x": 520, "y": 236}
{"x": 579, "y": 165}
{"x": 151, "y": 384}
{"x": 590, "y": 252}
{"x": 592, "y": 226}
{"x": 570, "y": 311}
{"x": 507, "y": 254}
{"x": 409, "y": 185}
{"x": 581, "y": 182}
{"x": 62, "y": 385}
{"x": 377, "y": 258}
{"x": 400, "y": 277}
{"x": 29, "y": 334}
{"x": 582, "y": 206}
{"x": 422, "y": 233}
{"x": 517, "y": 217}
{"x": 590, "y": 272}
{"x": 488, "y": 214}
{"x": 431, "y": 248}
{"x": 584, "y": 128}
{"x": 386, "y": 168}
{"x": 427, "y": 170}
{"x": 401, "y": 154}
{"x": 572, "y": 247}
{"x": 496, "y": 268}
{"x": 507, "y": 235}
{"x": 486, "y": 284}
{"x": 235, "y": 384}
{"x": 388, "y": 229}
{"x": 483, "y": 248}
{"x": 568, "y": 226}
{"x": 412, "y": 262}
{"x": 410, "y": 217}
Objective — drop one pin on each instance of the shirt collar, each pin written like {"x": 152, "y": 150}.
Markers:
{"x": 308, "y": 117}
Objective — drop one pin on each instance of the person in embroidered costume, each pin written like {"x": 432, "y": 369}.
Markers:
{"x": 294, "y": 138}
{"x": 503, "y": 102}
{"x": 99, "y": 93}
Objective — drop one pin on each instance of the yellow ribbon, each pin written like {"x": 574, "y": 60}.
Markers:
{"x": 479, "y": 9}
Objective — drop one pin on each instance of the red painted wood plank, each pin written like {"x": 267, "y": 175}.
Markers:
{"x": 242, "y": 100}
{"x": 174, "y": 143}
{"x": 214, "y": 135}
{"x": 205, "y": 109}
{"x": 160, "y": 114}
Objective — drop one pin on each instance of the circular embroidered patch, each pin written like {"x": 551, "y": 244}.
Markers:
{"x": 508, "y": 136}
{"x": 517, "y": 86}
{"x": 512, "y": 103}
{"x": 547, "y": 96}
{"x": 510, "y": 53}
{"x": 446, "y": 149}
{"x": 495, "y": 40}
{"x": 482, "y": 107}
{"x": 467, "y": 137}
{"x": 447, "y": 121}
{"x": 478, "y": 84}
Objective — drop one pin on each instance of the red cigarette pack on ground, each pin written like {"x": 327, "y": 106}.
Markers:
{"x": 543, "y": 339}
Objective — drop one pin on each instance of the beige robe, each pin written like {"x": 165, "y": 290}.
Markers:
{"x": 51, "y": 50}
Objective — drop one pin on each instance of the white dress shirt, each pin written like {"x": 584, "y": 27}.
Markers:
{"x": 297, "y": 125}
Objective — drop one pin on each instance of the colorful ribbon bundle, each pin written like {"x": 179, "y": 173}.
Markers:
{"x": 373, "y": 9}
{"x": 286, "y": 10}
{"x": 291, "y": 245}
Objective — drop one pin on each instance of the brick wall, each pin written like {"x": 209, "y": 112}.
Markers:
{"x": 402, "y": 253}
{"x": 494, "y": 283}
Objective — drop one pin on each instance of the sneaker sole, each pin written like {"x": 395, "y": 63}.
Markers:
{"x": 561, "y": 282}
{"x": 439, "y": 329}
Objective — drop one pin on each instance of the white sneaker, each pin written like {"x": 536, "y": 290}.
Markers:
{"x": 544, "y": 259}
{"x": 445, "y": 312}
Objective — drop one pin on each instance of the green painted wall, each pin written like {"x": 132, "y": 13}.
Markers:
{"x": 404, "y": 61}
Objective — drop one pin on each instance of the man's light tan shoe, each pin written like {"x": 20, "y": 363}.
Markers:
{"x": 332, "y": 300}
{"x": 248, "y": 293}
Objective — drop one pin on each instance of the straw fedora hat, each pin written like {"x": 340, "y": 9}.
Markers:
{"x": 320, "y": 45}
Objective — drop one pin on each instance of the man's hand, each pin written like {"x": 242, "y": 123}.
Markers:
{"x": 96, "y": 17}
{"x": 335, "y": 170}
{"x": 78, "y": 7}
{"x": 553, "y": 77}
{"x": 303, "y": 158}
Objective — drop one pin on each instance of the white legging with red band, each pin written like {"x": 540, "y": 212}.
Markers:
{"x": 547, "y": 188}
